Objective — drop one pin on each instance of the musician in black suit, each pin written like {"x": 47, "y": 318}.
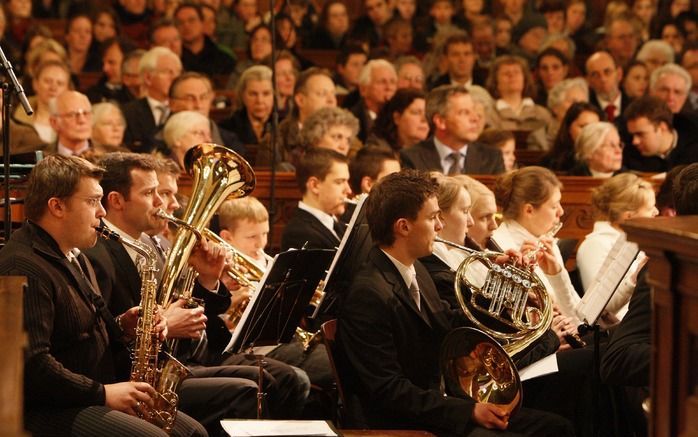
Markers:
{"x": 69, "y": 379}
{"x": 132, "y": 198}
{"x": 451, "y": 148}
{"x": 323, "y": 178}
{"x": 392, "y": 324}
{"x": 158, "y": 68}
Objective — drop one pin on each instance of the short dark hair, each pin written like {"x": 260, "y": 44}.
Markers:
{"x": 55, "y": 176}
{"x": 304, "y": 77}
{"x": 186, "y": 76}
{"x": 159, "y": 24}
{"x": 349, "y": 50}
{"x": 316, "y": 163}
{"x": 368, "y": 161}
{"x": 686, "y": 190}
{"x": 117, "y": 175}
{"x": 653, "y": 108}
{"x": 396, "y": 196}
{"x": 125, "y": 45}
{"x": 192, "y": 5}
{"x": 456, "y": 38}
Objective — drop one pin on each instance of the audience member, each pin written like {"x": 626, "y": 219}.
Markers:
{"x": 636, "y": 80}
{"x": 199, "y": 52}
{"x": 83, "y": 56}
{"x": 130, "y": 75}
{"x": 504, "y": 141}
{"x": 410, "y": 73}
{"x": 604, "y": 75}
{"x": 330, "y": 128}
{"x": 331, "y": 31}
{"x": 377, "y": 85}
{"x": 108, "y": 127}
{"x": 452, "y": 148}
{"x": 158, "y": 68}
{"x": 402, "y": 121}
{"x": 671, "y": 83}
{"x": 166, "y": 34}
{"x": 552, "y": 67}
{"x": 560, "y": 158}
{"x": 71, "y": 119}
{"x": 110, "y": 86}
{"x": 654, "y": 54}
{"x": 599, "y": 151}
{"x": 623, "y": 33}
{"x": 184, "y": 130}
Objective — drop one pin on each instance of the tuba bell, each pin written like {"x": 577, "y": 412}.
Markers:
{"x": 218, "y": 174}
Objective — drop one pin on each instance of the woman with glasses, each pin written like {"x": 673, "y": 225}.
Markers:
{"x": 599, "y": 151}
{"x": 183, "y": 131}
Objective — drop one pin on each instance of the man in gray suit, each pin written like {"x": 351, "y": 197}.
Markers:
{"x": 452, "y": 148}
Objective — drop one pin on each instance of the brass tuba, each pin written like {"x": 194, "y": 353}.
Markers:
{"x": 218, "y": 174}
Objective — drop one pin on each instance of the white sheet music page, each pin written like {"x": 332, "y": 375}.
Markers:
{"x": 606, "y": 282}
{"x": 236, "y": 428}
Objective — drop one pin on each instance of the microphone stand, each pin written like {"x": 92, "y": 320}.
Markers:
{"x": 7, "y": 87}
{"x": 274, "y": 120}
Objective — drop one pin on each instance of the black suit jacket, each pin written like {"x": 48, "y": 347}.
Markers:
{"x": 140, "y": 126}
{"x": 624, "y": 102}
{"x": 360, "y": 111}
{"x": 480, "y": 159}
{"x": 388, "y": 351}
{"x": 304, "y": 227}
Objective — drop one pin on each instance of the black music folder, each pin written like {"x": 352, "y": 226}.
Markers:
{"x": 280, "y": 300}
{"x": 352, "y": 252}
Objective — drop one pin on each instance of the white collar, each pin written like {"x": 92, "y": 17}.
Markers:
{"x": 451, "y": 257}
{"x": 526, "y": 102}
{"x": 131, "y": 253}
{"x": 444, "y": 152}
{"x": 326, "y": 219}
{"x": 408, "y": 273}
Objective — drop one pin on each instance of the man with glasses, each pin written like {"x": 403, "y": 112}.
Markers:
{"x": 158, "y": 68}
{"x": 71, "y": 118}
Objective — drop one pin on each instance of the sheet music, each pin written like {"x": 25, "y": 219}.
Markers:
{"x": 237, "y": 428}
{"x": 542, "y": 367}
{"x": 607, "y": 281}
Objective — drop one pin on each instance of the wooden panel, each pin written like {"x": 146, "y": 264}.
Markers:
{"x": 13, "y": 339}
{"x": 672, "y": 245}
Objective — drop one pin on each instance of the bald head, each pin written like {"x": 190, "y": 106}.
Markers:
{"x": 603, "y": 75}
{"x": 71, "y": 118}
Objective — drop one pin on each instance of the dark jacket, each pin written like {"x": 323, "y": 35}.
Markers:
{"x": 140, "y": 126}
{"x": 211, "y": 60}
{"x": 479, "y": 158}
{"x": 240, "y": 124}
{"x": 304, "y": 228}
{"x": 103, "y": 93}
{"x": 685, "y": 152}
{"x": 67, "y": 358}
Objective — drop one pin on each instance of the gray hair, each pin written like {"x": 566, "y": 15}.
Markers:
{"x": 179, "y": 124}
{"x": 437, "y": 100}
{"x": 670, "y": 69}
{"x": 656, "y": 46}
{"x": 100, "y": 110}
{"x": 256, "y": 72}
{"x": 320, "y": 122}
{"x": 552, "y": 38}
{"x": 590, "y": 138}
{"x": 149, "y": 60}
{"x": 367, "y": 71}
{"x": 558, "y": 93}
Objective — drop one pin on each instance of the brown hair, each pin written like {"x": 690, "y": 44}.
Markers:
{"x": 398, "y": 195}
{"x": 532, "y": 185}
{"x": 619, "y": 194}
{"x": 449, "y": 188}
{"x": 118, "y": 166}
{"x": 55, "y": 176}
{"x": 653, "y": 108}
{"x": 316, "y": 163}
{"x": 492, "y": 84}
{"x": 368, "y": 162}
{"x": 686, "y": 190}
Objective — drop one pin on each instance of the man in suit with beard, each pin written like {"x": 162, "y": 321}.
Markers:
{"x": 392, "y": 323}
{"x": 452, "y": 148}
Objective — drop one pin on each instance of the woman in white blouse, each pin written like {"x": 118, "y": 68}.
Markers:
{"x": 620, "y": 198}
{"x": 530, "y": 203}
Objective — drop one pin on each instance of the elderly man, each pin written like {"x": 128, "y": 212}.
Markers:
{"x": 604, "y": 76}
{"x": 200, "y": 53}
{"x": 71, "y": 118}
{"x": 672, "y": 84}
{"x": 689, "y": 61}
{"x": 158, "y": 68}
{"x": 661, "y": 139}
{"x": 194, "y": 92}
{"x": 452, "y": 148}
{"x": 314, "y": 90}
{"x": 377, "y": 85}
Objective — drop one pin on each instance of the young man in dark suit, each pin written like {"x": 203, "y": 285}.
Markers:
{"x": 452, "y": 148}
{"x": 69, "y": 378}
{"x": 323, "y": 178}
{"x": 392, "y": 323}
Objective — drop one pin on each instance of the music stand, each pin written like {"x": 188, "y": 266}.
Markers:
{"x": 280, "y": 300}
{"x": 353, "y": 250}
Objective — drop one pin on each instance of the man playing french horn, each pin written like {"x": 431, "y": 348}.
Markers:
{"x": 392, "y": 323}
{"x": 70, "y": 384}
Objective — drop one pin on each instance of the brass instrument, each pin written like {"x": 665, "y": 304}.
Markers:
{"x": 218, "y": 174}
{"x": 242, "y": 268}
{"x": 149, "y": 363}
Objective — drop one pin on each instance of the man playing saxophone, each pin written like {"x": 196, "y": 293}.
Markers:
{"x": 70, "y": 384}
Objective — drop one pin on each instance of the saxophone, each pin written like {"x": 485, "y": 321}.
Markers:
{"x": 149, "y": 363}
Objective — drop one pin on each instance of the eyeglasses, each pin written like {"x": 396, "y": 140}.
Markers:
{"x": 191, "y": 98}
{"x": 74, "y": 115}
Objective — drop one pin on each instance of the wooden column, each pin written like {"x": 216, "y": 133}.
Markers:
{"x": 13, "y": 339}
{"x": 672, "y": 246}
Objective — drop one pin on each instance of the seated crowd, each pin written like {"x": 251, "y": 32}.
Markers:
{"x": 422, "y": 95}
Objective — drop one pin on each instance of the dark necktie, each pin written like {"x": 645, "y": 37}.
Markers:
{"x": 611, "y": 112}
{"x": 456, "y": 166}
{"x": 339, "y": 228}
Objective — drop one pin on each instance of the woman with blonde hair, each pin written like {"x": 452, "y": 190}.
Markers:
{"x": 108, "y": 127}
{"x": 483, "y": 211}
{"x": 620, "y": 198}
